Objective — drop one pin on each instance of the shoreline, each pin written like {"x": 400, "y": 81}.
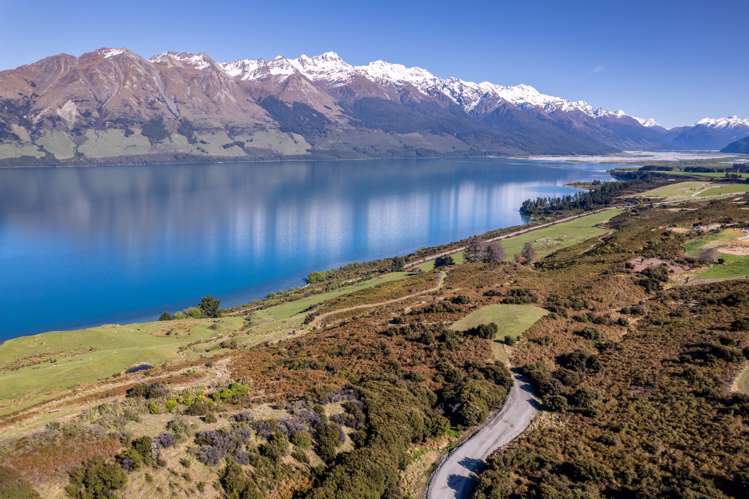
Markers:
{"x": 628, "y": 157}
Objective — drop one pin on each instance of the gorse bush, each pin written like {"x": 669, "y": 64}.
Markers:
{"x": 96, "y": 479}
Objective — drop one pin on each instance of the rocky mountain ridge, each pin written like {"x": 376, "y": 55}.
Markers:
{"x": 113, "y": 105}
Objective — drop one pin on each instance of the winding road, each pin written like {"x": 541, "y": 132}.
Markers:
{"x": 455, "y": 475}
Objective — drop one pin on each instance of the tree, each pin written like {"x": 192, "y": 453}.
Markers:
{"x": 474, "y": 250}
{"x": 527, "y": 254}
{"x": 209, "y": 306}
{"x": 494, "y": 253}
{"x": 443, "y": 261}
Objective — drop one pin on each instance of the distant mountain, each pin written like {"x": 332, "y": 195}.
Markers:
{"x": 708, "y": 133}
{"x": 739, "y": 147}
{"x": 113, "y": 105}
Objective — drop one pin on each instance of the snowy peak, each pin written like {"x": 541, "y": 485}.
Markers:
{"x": 727, "y": 122}
{"x": 646, "y": 122}
{"x": 331, "y": 69}
{"x": 197, "y": 61}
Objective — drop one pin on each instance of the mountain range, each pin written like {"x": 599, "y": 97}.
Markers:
{"x": 112, "y": 105}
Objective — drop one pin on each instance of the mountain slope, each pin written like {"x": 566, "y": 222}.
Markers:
{"x": 740, "y": 146}
{"x": 113, "y": 105}
{"x": 709, "y": 133}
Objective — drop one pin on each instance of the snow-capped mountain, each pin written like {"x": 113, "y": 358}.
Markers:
{"x": 709, "y": 133}
{"x": 727, "y": 122}
{"x": 332, "y": 70}
{"x": 113, "y": 105}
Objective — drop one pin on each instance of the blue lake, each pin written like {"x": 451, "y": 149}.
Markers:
{"x": 85, "y": 246}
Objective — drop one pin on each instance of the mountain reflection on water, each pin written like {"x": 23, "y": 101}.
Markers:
{"x": 82, "y": 246}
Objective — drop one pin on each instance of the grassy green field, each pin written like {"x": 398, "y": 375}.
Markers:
{"x": 512, "y": 320}
{"x": 33, "y": 368}
{"x": 734, "y": 267}
{"x": 550, "y": 239}
{"x": 694, "y": 190}
{"x": 287, "y": 310}
{"x": 710, "y": 175}
{"x": 723, "y": 190}
{"x": 677, "y": 191}
{"x": 694, "y": 247}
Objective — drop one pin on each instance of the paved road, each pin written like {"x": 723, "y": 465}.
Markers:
{"x": 455, "y": 476}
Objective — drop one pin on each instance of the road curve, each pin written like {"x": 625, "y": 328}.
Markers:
{"x": 455, "y": 475}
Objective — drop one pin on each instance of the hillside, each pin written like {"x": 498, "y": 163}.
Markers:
{"x": 741, "y": 146}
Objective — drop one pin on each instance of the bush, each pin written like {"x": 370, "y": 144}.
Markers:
{"x": 231, "y": 393}
{"x": 520, "y": 296}
{"x": 327, "y": 438}
{"x": 166, "y": 316}
{"x": 276, "y": 447}
{"x": 740, "y": 324}
{"x": 444, "y": 261}
{"x": 486, "y": 331}
{"x": 509, "y": 340}
{"x": 314, "y": 277}
{"x": 96, "y": 479}
{"x": 209, "y": 306}
{"x": 580, "y": 362}
{"x": 589, "y": 333}
{"x": 148, "y": 391}
{"x": 12, "y": 485}
{"x": 155, "y": 130}
{"x": 236, "y": 484}
{"x": 301, "y": 439}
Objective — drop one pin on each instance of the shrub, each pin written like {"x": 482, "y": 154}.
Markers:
{"x": 556, "y": 403}
{"x": 327, "y": 438}
{"x": 209, "y": 306}
{"x": 580, "y": 362}
{"x": 301, "y": 439}
{"x": 96, "y": 479}
{"x": 486, "y": 331}
{"x": 12, "y": 485}
{"x": 231, "y": 393}
{"x": 276, "y": 447}
{"x": 155, "y": 130}
{"x": 166, "y": 316}
{"x": 740, "y": 324}
{"x": 519, "y": 296}
{"x": 444, "y": 261}
{"x": 314, "y": 277}
{"x": 527, "y": 254}
{"x": 236, "y": 484}
{"x": 148, "y": 391}
{"x": 589, "y": 333}
{"x": 509, "y": 340}
{"x": 494, "y": 253}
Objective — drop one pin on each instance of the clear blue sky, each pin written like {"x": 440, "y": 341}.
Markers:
{"x": 675, "y": 60}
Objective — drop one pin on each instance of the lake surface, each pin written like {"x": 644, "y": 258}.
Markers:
{"x": 85, "y": 246}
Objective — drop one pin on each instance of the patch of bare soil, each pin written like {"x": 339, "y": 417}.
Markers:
{"x": 639, "y": 264}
